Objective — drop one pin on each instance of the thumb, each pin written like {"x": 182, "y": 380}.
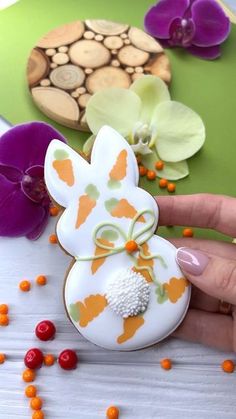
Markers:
{"x": 214, "y": 275}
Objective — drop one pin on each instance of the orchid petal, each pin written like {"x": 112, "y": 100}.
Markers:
{"x": 180, "y": 131}
{"x": 117, "y": 107}
{"x": 151, "y": 90}
{"x": 212, "y": 24}
{"x": 141, "y": 148}
{"x": 18, "y": 215}
{"x": 88, "y": 145}
{"x": 207, "y": 53}
{"x": 158, "y": 18}
{"x": 39, "y": 229}
{"x": 170, "y": 171}
{"x": 25, "y": 145}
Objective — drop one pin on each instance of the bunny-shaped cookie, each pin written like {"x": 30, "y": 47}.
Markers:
{"x": 124, "y": 290}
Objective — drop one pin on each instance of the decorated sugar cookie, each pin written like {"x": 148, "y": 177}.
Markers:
{"x": 124, "y": 290}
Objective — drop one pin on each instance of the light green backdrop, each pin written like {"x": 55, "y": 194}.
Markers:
{"x": 208, "y": 87}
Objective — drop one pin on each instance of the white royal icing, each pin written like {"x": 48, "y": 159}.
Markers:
{"x": 104, "y": 208}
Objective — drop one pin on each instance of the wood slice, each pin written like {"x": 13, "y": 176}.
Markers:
{"x": 106, "y": 27}
{"x": 113, "y": 42}
{"x": 88, "y": 53}
{"x": 37, "y": 68}
{"x": 60, "y": 58}
{"x": 160, "y": 66}
{"x": 144, "y": 41}
{"x": 63, "y": 35}
{"x": 83, "y": 100}
{"x": 67, "y": 77}
{"x": 57, "y": 104}
{"x": 107, "y": 77}
{"x": 132, "y": 56}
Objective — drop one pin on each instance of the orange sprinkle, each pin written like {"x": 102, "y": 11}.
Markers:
{"x": 151, "y": 175}
{"x": 25, "y": 285}
{"x": 187, "y": 232}
{"x": 112, "y": 412}
{"x": 171, "y": 187}
{"x": 163, "y": 183}
{"x": 2, "y": 358}
{"x": 3, "y": 308}
{"x": 38, "y": 414}
{"x": 131, "y": 246}
{"x": 228, "y": 366}
{"x": 28, "y": 375}
{"x": 41, "y": 280}
{"x": 36, "y": 403}
{"x": 166, "y": 364}
{"x": 142, "y": 170}
{"x": 30, "y": 391}
{"x": 54, "y": 211}
{"x": 159, "y": 165}
{"x": 49, "y": 360}
{"x": 4, "y": 320}
{"x": 53, "y": 239}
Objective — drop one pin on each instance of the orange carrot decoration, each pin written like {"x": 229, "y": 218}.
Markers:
{"x": 86, "y": 204}
{"x": 175, "y": 288}
{"x": 118, "y": 172}
{"x": 131, "y": 325}
{"x": 144, "y": 262}
{"x": 96, "y": 263}
{"x": 90, "y": 308}
{"x": 63, "y": 166}
{"x": 122, "y": 208}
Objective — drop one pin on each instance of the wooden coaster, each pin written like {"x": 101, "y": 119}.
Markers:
{"x": 72, "y": 62}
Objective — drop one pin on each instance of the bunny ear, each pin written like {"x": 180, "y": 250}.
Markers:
{"x": 113, "y": 158}
{"x": 63, "y": 171}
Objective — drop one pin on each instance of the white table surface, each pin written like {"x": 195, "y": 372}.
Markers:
{"x": 195, "y": 387}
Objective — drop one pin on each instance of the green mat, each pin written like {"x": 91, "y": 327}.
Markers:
{"x": 207, "y": 87}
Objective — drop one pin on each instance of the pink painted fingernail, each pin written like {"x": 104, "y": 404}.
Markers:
{"x": 192, "y": 261}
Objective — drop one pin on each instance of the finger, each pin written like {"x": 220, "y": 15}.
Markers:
{"x": 217, "y": 248}
{"x": 214, "y": 275}
{"x": 201, "y": 301}
{"x": 201, "y": 210}
{"x": 215, "y": 330}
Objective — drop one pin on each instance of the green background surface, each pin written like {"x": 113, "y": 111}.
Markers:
{"x": 207, "y": 87}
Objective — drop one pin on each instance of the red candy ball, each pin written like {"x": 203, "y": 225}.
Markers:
{"x": 45, "y": 330}
{"x": 33, "y": 358}
{"x": 68, "y": 359}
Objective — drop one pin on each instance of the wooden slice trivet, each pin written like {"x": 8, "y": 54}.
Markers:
{"x": 76, "y": 60}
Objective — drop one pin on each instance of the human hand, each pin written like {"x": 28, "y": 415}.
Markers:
{"x": 209, "y": 265}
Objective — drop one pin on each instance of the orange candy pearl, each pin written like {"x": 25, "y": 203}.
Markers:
{"x": 228, "y": 366}
{"x": 36, "y": 403}
{"x": 2, "y": 358}
{"x": 187, "y": 232}
{"x": 171, "y": 187}
{"x": 166, "y": 364}
{"x": 131, "y": 246}
{"x": 142, "y": 170}
{"x": 54, "y": 211}
{"x": 163, "y": 183}
{"x": 159, "y": 165}
{"x": 4, "y": 320}
{"x": 112, "y": 412}
{"x": 151, "y": 175}
{"x": 30, "y": 391}
{"x": 53, "y": 239}
{"x": 49, "y": 360}
{"x": 25, "y": 285}
{"x": 38, "y": 414}
{"x": 3, "y": 308}
{"x": 28, "y": 375}
{"x": 41, "y": 280}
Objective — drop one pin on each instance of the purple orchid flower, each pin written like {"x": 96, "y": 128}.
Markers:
{"x": 24, "y": 201}
{"x": 200, "y": 26}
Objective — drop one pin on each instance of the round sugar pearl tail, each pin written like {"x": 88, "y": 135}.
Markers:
{"x": 228, "y": 366}
{"x": 28, "y": 376}
{"x": 45, "y": 330}
{"x": 30, "y": 391}
{"x": 112, "y": 412}
{"x": 33, "y": 358}
{"x": 128, "y": 293}
{"x": 2, "y": 358}
{"x": 68, "y": 359}
{"x": 3, "y": 309}
{"x": 36, "y": 403}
